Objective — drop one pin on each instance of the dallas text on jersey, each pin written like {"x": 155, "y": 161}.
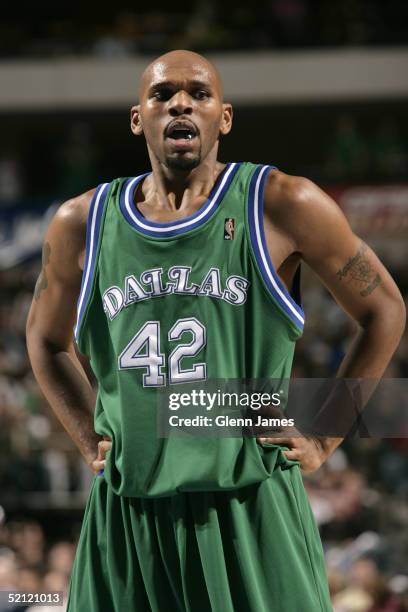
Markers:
{"x": 152, "y": 283}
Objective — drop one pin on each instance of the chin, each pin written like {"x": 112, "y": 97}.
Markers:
{"x": 183, "y": 163}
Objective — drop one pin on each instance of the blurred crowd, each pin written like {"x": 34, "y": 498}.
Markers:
{"x": 74, "y": 167}
{"x": 30, "y": 564}
{"x": 359, "y": 497}
{"x": 356, "y": 154}
{"x": 44, "y": 459}
{"x": 205, "y": 25}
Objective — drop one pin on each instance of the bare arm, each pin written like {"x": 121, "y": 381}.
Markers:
{"x": 312, "y": 225}
{"x": 50, "y": 327}
{"x": 353, "y": 274}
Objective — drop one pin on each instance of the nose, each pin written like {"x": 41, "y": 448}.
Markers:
{"x": 180, "y": 104}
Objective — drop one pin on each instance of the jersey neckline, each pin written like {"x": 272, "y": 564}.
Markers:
{"x": 173, "y": 228}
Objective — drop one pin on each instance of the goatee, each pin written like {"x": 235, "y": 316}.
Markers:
{"x": 183, "y": 164}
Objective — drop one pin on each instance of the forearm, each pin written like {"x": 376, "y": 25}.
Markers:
{"x": 367, "y": 359}
{"x": 372, "y": 349}
{"x": 69, "y": 393}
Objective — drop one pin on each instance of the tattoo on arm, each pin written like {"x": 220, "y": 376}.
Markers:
{"x": 42, "y": 282}
{"x": 359, "y": 270}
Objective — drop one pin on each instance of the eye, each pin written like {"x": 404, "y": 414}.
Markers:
{"x": 200, "y": 94}
{"x": 162, "y": 95}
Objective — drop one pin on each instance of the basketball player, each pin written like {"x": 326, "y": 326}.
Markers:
{"x": 184, "y": 523}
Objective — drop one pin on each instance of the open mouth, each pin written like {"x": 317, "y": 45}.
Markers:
{"x": 181, "y": 135}
{"x": 181, "y": 131}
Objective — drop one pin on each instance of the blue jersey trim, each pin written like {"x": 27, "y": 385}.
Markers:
{"x": 174, "y": 228}
{"x": 93, "y": 225}
{"x": 257, "y": 234}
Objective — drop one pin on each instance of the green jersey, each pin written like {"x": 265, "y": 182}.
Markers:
{"x": 180, "y": 302}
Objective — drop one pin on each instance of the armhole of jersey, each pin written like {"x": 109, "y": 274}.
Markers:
{"x": 266, "y": 268}
{"x": 296, "y": 293}
{"x": 93, "y": 227}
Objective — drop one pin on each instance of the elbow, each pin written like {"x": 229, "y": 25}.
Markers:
{"x": 40, "y": 342}
{"x": 389, "y": 318}
{"x": 402, "y": 316}
{"x": 34, "y": 340}
{"x": 397, "y": 313}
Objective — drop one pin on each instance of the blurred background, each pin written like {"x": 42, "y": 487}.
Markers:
{"x": 319, "y": 89}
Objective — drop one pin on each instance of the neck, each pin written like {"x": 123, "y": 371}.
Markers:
{"x": 174, "y": 189}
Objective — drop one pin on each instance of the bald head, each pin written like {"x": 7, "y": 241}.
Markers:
{"x": 183, "y": 63}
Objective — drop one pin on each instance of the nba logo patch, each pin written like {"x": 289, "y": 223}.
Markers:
{"x": 229, "y": 229}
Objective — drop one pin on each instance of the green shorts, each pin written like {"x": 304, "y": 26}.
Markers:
{"x": 254, "y": 549}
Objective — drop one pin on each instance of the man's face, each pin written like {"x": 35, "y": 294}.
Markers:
{"x": 181, "y": 112}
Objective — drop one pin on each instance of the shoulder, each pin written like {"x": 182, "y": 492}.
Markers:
{"x": 293, "y": 193}
{"x": 72, "y": 215}
{"x": 66, "y": 234}
{"x": 299, "y": 207}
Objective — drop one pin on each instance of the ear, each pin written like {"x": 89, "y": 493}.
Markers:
{"x": 136, "y": 120}
{"x": 226, "y": 121}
